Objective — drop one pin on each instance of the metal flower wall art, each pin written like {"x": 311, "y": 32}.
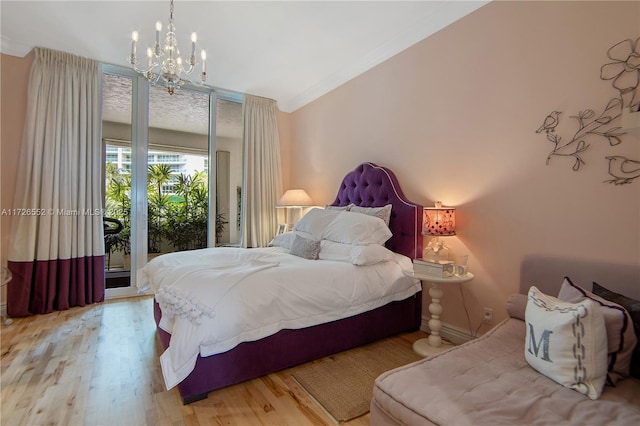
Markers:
{"x": 624, "y": 73}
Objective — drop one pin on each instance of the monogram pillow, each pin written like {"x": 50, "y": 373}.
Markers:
{"x": 567, "y": 342}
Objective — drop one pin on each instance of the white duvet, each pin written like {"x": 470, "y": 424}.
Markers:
{"x": 214, "y": 299}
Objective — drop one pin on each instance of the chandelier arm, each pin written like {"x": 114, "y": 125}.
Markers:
{"x": 165, "y": 65}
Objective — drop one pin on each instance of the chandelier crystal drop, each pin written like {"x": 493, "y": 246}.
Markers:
{"x": 164, "y": 64}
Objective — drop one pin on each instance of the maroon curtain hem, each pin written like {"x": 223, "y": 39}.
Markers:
{"x": 42, "y": 286}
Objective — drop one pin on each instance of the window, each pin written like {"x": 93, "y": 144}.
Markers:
{"x": 173, "y": 173}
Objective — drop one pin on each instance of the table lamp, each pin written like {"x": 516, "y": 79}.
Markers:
{"x": 293, "y": 199}
{"x": 438, "y": 222}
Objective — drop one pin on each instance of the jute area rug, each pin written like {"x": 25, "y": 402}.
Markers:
{"x": 343, "y": 384}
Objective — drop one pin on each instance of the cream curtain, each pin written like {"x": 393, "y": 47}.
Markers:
{"x": 56, "y": 252}
{"x": 262, "y": 172}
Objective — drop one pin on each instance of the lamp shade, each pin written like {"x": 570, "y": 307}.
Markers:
{"x": 295, "y": 198}
{"x": 439, "y": 220}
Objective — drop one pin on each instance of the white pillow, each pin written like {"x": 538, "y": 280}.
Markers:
{"x": 283, "y": 240}
{"x": 621, "y": 339}
{"x": 356, "y": 228}
{"x": 314, "y": 222}
{"x": 357, "y": 255}
{"x": 383, "y": 213}
{"x": 567, "y": 342}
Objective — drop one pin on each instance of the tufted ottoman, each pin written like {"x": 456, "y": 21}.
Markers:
{"x": 488, "y": 381}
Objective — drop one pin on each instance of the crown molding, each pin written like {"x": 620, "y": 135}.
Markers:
{"x": 13, "y": 48}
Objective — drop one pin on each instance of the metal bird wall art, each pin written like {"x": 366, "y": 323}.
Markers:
{"x": 622, "y": 169}
{"x": 624, "y": 74}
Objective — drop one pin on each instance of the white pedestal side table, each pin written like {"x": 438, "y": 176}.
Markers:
{"x": 434, "y": 344}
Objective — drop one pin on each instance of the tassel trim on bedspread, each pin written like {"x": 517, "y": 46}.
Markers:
{"x": 184, "y": 297}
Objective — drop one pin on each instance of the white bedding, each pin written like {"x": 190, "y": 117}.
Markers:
{"x": 266, "y": 291}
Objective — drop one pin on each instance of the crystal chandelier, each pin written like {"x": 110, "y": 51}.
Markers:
{"x": 164, "y": 64}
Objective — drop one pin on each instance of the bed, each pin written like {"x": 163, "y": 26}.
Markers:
{"x": 489, "y": 381}
{"x": 367, "y": 186}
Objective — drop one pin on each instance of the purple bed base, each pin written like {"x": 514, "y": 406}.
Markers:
{"x": 368, "y": 185}
{"x": 288, "y": 347}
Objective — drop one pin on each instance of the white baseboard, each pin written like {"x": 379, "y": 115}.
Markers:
{"x": 449, "y": 332}
{"x": 123, "y": 292}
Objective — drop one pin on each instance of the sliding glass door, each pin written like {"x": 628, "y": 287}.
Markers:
{"x": 178, "y": 173}
{"x": 117, "y": 136}
{"x": 173, "y": 172}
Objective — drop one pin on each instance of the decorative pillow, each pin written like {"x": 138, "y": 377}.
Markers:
{"x": 356, "y": 228}
{"x": 567, "y": 342}
{"x": 283, "y": 240}
{"x": 347, "y": 208}
{"x": 517, "y": 305}
{"x": 383, "y": 213}
{"x": 621, "y": 339}
{"x": 357, "y": 255}
{"x": 315, "y": 221}
{"x": 633, "y": 309}
{"x": 305, "y": 248}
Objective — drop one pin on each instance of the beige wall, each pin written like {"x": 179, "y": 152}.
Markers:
{"x": 455, "y": 117}
{"x": 13, "y": 91}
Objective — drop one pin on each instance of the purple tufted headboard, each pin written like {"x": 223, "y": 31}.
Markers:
{"x": 370, "y": 185}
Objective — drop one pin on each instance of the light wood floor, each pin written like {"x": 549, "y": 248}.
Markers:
{"x": 99, "y": 365}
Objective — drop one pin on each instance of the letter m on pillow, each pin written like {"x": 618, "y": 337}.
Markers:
{"x": 534, "y": 347}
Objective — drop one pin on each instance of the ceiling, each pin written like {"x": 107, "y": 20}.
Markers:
{"x": 290, "y": 51}
{"x": 184, "y": 111}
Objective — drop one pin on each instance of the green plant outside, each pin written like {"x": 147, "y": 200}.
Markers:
{"x": 178, "y": 220}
